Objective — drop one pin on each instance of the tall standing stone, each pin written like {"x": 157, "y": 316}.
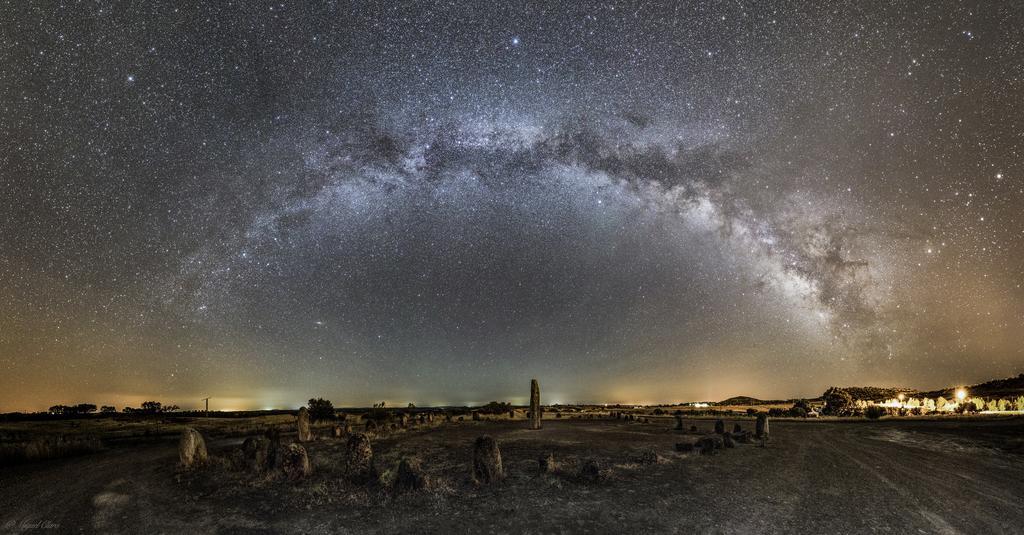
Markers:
{"x": 761, "y": 427}
{"x": 302, "y": 422}
{"x": 534, "y": 404}
{"x": 679, "y": 423}
{"x": 192, "y": 448}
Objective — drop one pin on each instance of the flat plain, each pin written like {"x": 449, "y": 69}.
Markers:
{"x": 895, "y": 475}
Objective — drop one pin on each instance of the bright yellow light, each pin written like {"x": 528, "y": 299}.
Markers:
{"x": 961, "y": 394}
{"x": 900, "y": 396}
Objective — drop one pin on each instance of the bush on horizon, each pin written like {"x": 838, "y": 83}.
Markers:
{"x": 320, "y": 409}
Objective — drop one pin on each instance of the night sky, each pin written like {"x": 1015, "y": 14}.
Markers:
{"x": 436, "y": 202}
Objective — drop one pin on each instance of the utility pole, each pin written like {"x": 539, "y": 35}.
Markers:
{"x": 207, "y": 400}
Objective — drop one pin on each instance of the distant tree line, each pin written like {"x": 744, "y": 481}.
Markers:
{"x": 839, "y": 402}
{"x": 73, "y": 410}
{"x": 495, "y": 407}
{"x": 151, "y": 407}
{"x": 81, "y": 409}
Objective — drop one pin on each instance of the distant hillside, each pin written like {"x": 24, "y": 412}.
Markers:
{"x": 874, "y": 393}
{"x": 998, "y": 388}
{"x": 745, "y": 400}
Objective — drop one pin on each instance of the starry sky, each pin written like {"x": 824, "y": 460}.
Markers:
{"x": 435, "y": 202}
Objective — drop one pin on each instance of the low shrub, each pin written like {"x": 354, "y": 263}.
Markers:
{"x": 875, "y": 412}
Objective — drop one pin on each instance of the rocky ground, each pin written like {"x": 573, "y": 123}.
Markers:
{"x": 898, "y": 476}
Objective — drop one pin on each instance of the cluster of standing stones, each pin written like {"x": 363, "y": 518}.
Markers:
{"x": 265, "y": 454}
{"x": 721, "y": 439}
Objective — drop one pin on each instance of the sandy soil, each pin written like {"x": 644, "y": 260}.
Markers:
{"x": 814, "y": 477}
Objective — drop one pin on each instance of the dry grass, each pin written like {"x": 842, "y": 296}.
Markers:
{"x": 47, "y": 447}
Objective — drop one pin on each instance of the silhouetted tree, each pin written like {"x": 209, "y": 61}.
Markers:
{"x": 107, "y": 409}
{"x": 321, "y": 409}
{"x": 838, "y": 402}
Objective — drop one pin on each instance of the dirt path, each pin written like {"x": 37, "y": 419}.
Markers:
{"x": 890, "y": 477}
{"x": 866, "y": 478}
{"x": 83, "y": 494}
{"x": 107, "y": 492}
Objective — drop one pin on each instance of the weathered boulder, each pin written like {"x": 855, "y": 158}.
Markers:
{"x": 512, "y": 415}
{"x": 359, "y": 459}
{"x": 192, "y": 448}
{"x": 679, "y": 423}
{"x": 476, "y": 416}
{"x": 295, "y": 461}
{"x": 736, "y": 428}
{"x": 342, "y": 430}
{"x": 710, "y": 444}
{"x": 409, "y": 476}
{"x": 487, "y": 460}
{"x": 719, "y": 427}
{"x": 259, "y": 454}
{"x": 535, "y": 413}
{"x": 302, "y": 423}
{"x": 727, "y": 440}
